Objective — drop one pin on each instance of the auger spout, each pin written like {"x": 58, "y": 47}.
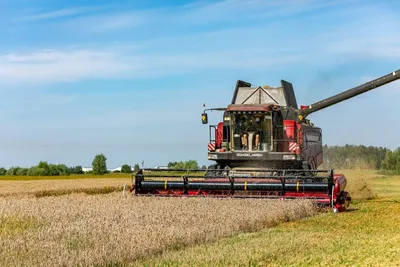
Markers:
{"x": 395, "y": 75}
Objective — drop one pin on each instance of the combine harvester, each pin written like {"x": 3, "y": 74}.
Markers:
{"x": 265, "y": 147}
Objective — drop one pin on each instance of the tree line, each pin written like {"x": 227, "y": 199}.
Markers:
{"x": 360, "y": 156}
{"x": 99, "y": 167}
{"x": 353, "y": 156}
{"x": 391, "y": 163}
{"x": 338, "y": 157}
{"x": 189, "y": 164}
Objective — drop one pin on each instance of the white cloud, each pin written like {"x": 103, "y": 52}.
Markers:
{"x": 52, "y": 66}
{"x": 60, "y": 13}
{"x": 265, "y": 46}
{"x": 105, "y": 22}
{"x": 196, "y": 13}
{"x": 70, "y": 65}
{"x": 237, "y": 10}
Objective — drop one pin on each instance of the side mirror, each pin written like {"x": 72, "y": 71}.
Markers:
{"x": 204, "y": 118}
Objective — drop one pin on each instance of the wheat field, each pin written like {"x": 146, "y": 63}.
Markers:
{"x": 367, "y": 235}
{"x": 112, "y": 230}
{"x": 60, "y": 186}
{"x": 49, "y": 223}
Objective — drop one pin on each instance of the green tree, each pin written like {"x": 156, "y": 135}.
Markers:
{"x": 99, "y": 164}
{"x": 36, "y": 171}
{"x": 45, "y": 168}
{"x": 173, "y": 164}
{"x": 12, "y": 171}
{"x": 78, "y": 170}
{"x": 189, "y": 164}
{"x": 353, "y": 156}
{"x": 52, "y": 170}
{"x": 136, "y": 167}
{"x": 126, "y": 168}
{"x": 22, "y": 171}
{"x": 75, "y": 170}
{"x": 3, "y": 171}
{"x": 391, "y": 163}
{"x": 62, "y": 169}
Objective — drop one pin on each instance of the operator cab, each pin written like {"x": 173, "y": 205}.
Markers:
{"x": 253, "y": 127}
{"x": 251, "y": 132}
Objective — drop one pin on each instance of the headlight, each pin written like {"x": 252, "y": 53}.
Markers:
{"x": 213, "y": 156}
{"x": 289, "y": 156}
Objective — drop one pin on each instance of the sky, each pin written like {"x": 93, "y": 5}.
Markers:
{"x": 129, "y": 78}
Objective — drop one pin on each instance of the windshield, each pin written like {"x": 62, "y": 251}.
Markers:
{"x": 252, "y": 132}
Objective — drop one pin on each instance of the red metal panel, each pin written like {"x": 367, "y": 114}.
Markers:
{"x": 340, "y": 197}
{"x": 289, "y": 134}
{"x": 299, "y": 138}
{"x": 219, "y": 135}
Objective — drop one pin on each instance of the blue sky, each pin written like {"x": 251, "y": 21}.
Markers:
{"x": 128, "y": 78}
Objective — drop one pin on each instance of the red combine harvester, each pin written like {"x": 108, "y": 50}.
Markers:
{"x": 265, "y": 147}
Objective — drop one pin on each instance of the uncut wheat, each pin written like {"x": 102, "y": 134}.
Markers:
{"x": 100, "y": 230}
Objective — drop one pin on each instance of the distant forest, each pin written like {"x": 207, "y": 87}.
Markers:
{"x": 337, "y": 157}
{"x": 360, "y": 156}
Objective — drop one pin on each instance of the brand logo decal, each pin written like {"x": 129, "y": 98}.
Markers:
{"x": 250, "y": 155}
